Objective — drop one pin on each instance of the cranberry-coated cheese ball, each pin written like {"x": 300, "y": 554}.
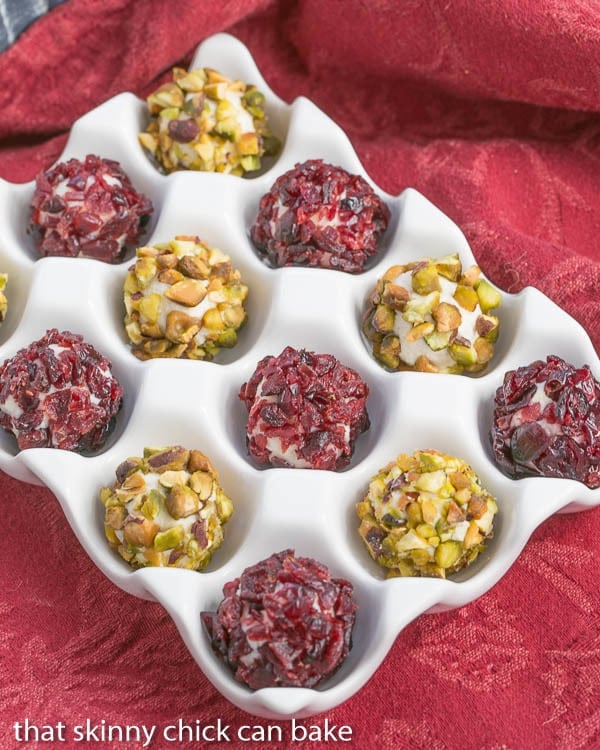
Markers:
{"x": 87, "y": 209}
{"x": 317, "y": 214}
{"x": 547, "y": 422}
{"x": 285, "y": 622}
{"x": 305, "y": 410}
{"x": 166, "y": 508}
{"x": 426, "y": 515}
{"x": 59, "y": 392}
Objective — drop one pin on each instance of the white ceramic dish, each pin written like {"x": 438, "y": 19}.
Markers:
{"x": 195, "y": 403}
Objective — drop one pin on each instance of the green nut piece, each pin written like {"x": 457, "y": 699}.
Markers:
{"x": 254, "y": 98}
{"x": 173, "y": 458}
{"x": 426, "y": 280}
{"x": 166, "y": 508}
{"x": 462, "y": 354}
{"x": 389, "y": 351}
{"x": 204, "y": 121}
{"x": 183, "y": 299}
{"x": 167, "y": 95}
{"x": 487, "y": 327}
{"x": 383, "y": 319}
{"x": 447, "y": 554}
{"x": 489, "y": 298}
{"x": 437, "y": 341}
{"x": 466, "y": 297}
{"x": 449, "y": 267}
{"x": 414, "y": 516}
{"x": 417, "y": 310}
{"x": 182, "y": 501}
{"x": 151, "y": 506}
{"x": 225, "y": 506}
{"x": 426, "y": 515}
{"x": 168, "y": 539}
{"x": 250, "y": 162}
{"x": 430, "y": 460}
{"x": 430, "y": 316}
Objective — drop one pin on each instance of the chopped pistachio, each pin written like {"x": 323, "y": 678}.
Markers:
{"x": 462, "y": 354}
{"x": 447, "y": 317}
{"x": 466, "y": 297}
{"x": 182, "y": 501}
{"x": 139, "y": 532}
{"x": 426, "y": 280}
{"x": 489, "y": 298}
{"x": 152, "y": 504}
{"x": 437, "y": 341}
{"x": 447, "y": 553}
{"x": 449, "y": 266}
{"x": 168, "y": 539}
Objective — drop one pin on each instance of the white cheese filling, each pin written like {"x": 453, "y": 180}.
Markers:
{"x": 317, "y": 218}
{"x": 290, "y": 455}
{"x": 541, "y": 398}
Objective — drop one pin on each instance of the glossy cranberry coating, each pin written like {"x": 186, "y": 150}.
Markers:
{"x": 547, "y": 422}
{"x": 59, "y": 392}
{"x": 305, "y": 410}
{"x": 87, "y": 209}
{"x": 284, "y": 622}
{"x": 317, "y": 214}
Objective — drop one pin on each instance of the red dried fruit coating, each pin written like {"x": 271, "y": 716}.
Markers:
{"x": 87, "y": 209}
{"x": 547, "y": 422}
{"x": 59, "y": 392}
{"x": 320, "y": 215}
{"x": 305, "y": 410}
{"x": 285, "y": 622}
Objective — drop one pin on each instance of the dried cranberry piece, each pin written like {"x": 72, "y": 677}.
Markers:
{"x": 284, "y": 622}
{"x": 305, "y": 410}
{"x": 183, "y": 131}
{"x": 318, "y": 214}
{"x": 87, "y": 209}
{"x": 59, "y": 392}
{"x": 528, "y": 442}
{"x": 547, "y": 422}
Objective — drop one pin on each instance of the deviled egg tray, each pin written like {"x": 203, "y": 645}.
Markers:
{"x": 195, "y": 403}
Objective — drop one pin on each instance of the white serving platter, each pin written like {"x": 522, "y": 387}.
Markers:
{"x": 195, "y": 404}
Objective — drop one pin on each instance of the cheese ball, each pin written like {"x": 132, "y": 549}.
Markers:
{"x": 59, "y": 392}
{"x": 319, "y": 215}
{"x": 546, "y": 422}
{"x": 87, "y": 209}
{"x": 285, "y": 622}
{"x": 426, "y": 515}
{"x": 305, "y": 411}
{"x": 166, "y": 508}
{"x": 429, "y": 316}
{"x": 204, "y": 121}
{"x": 183, "y": 299}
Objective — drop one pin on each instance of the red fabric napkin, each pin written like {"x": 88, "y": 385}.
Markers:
{"x": 490, "y": 110}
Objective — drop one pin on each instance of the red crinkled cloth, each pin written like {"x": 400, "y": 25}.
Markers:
{"x": 491, "y": 111}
